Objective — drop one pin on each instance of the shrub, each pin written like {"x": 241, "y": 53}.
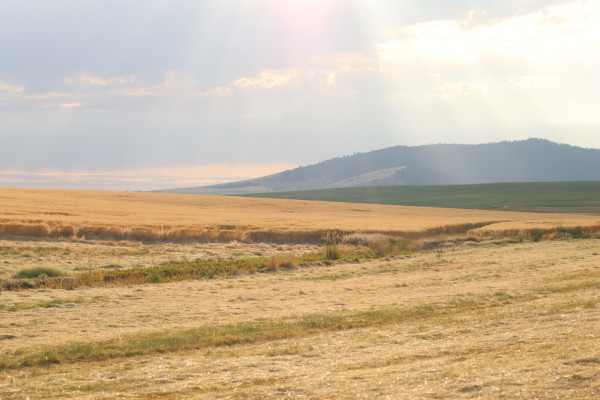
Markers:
{"x": 332, "y": 252}
{"x": 384, "y": 246}
{"x": 38, "y": 272}
{"x": 27, "y": 230}
{"x": 288, "y": 262}
{"x": 155, "y": 276}
{"x": 403, "y": 245}
{"x": 576, "y": 232}
{"x": 271, "y": 264}
{"x": 537, "y": 234}
{"x": 281, "y": 262}
{"x": 380, "y": 245}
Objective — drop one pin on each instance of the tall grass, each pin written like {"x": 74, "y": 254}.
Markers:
{"x": 560, "y": 232}
{"x": 115, "y": 233}
{"x": 277, "y": 263}
{"x": 332, "y": 252}
{"x": 293, "y": 237}
{"x": 169, "y": 234}
{"x": 385, "y": 246}
{"x": 150, "y": 234}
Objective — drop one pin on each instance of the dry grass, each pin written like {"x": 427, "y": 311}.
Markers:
{"x": 476, "y": 320}
{"x": 76, "y": 256}
{"x": 502, "y": 313}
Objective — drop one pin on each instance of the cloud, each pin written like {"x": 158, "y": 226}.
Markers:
{"x": 344, "y": 62}
{"x": 267, "y": 79}
{"x": 10, "y": 89}
{"x": 175, "y": 85}
{"x": 532, "y": 81}
{"x": 44, "y": 96}
{"x": 85, "y": 78}
{"x": 321, "y": 73}
{"x": 171, "y": 82}
{"x": 547, "y": 38}
{"x": 458, "y": 89}
{"x": 551, "y": 47}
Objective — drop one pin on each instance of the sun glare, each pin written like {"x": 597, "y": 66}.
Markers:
{"x": 306, "y": 19}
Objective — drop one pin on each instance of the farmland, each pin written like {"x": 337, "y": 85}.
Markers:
{"x": 343, "y": 301}
{"x": 531, "y": 196}
{"x": 149, "y": 217}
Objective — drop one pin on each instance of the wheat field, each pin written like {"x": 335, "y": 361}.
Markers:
{"x": 39, "y": 212}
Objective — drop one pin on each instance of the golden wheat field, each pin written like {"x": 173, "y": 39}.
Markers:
{"x": 60, "y": 213}
{"x": 401, "y": 302}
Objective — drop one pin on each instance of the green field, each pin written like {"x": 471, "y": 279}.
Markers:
{"x": 539, "y": 196}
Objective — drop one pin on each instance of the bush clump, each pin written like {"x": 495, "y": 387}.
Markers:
{"x": 537, "y": 234}
{"x": 384, "y": 246}
{"x": 39, "y": 272}
{"x": 332, "y": 252}
{"x": 281, "y": 262}
{"x": 576, "y": 232}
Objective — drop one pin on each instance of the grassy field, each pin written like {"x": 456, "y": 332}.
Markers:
{"x": 477, "y": 320}
{"x": 401, "y": 302}
{"x": 539, "y": 196}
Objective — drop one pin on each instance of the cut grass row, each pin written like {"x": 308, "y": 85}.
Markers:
{"x": 144, "y": 344}
{"x": 48, "y": 304}
{"x": 211, "y": 336}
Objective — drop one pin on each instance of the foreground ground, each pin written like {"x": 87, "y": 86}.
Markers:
{"x": 477, "y": 320}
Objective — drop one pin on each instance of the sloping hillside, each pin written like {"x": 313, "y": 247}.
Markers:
{"x": 532, "y": 160}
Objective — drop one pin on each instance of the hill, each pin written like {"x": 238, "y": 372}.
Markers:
{"x": 532, "y": 160}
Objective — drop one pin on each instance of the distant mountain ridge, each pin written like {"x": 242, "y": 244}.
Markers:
{"x": 531, "y": 160}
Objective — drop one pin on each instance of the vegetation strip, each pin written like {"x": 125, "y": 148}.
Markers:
{"x": 167, "y": 273}
{"x": 206, "y": 269}
{"x": 359, "y": 247}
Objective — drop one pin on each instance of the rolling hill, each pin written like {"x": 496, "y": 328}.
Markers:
{"x": 532, "y": 160}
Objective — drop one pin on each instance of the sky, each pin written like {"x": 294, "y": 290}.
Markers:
{"x": 147, "y": 94}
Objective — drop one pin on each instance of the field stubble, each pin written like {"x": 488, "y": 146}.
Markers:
{"x": 491, "y": 320}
